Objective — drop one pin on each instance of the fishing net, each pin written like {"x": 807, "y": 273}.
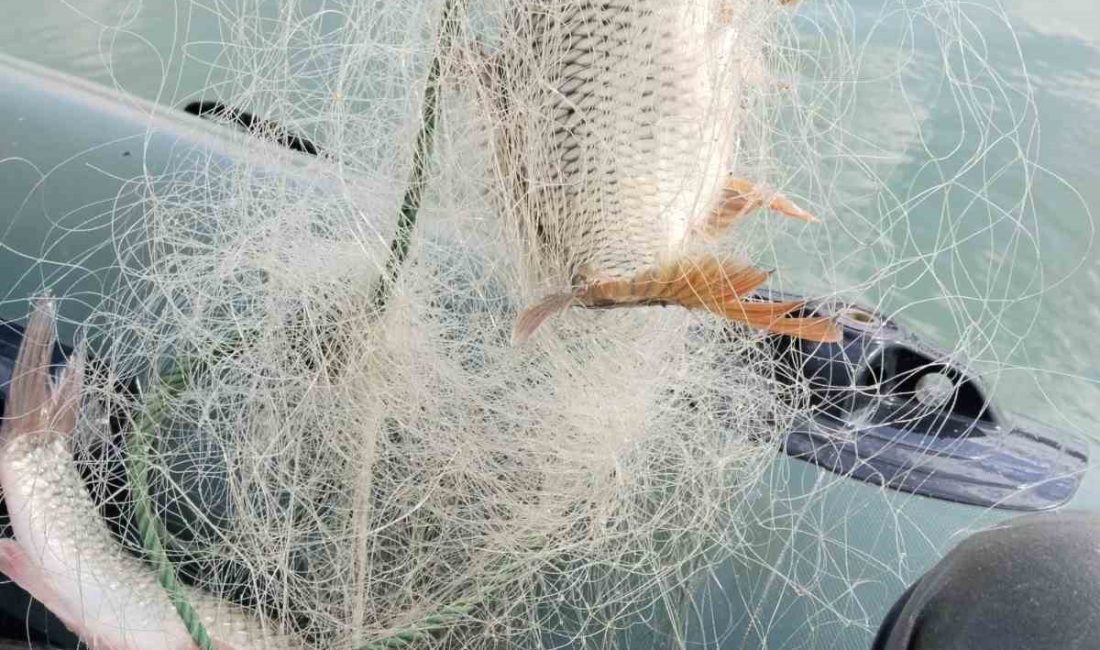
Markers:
{"x": 310, "y": 360}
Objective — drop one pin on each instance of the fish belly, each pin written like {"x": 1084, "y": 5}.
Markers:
{"x": 632, "y": 127}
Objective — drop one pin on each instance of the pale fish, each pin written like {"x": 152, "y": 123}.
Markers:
{"x": 63, "y": 553}
{"x": 613, "y": 127}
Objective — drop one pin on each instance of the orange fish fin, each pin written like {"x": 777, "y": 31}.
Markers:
{"x": 810, "y": 328}
{"x": 531, "y": 318}
{"x": 788, "y": 208}
{"x": 743, "y": 281}
{"x": 772, "y": 317}
{"x": 741, "y": 197}
{"x": 695, "y": 283}
{"x": 760, "y": 314}
{"x": 713, "y": 283}
{"x": 710, "y": 283}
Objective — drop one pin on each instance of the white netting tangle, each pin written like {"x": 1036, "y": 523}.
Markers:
{"x": 366, "y": 467}
{"x": 380, "y": 466}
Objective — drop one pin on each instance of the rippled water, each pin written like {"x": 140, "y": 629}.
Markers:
{"x": 940, "y": 250}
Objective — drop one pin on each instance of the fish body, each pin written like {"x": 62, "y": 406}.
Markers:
{"x": 609, "y": 115}
{"x": 63, "y": 553}
{"x": 615, "y": 124}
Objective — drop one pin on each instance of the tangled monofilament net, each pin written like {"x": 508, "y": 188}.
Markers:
{"x": 365, "y": 464}
{"x": 354, "y": 468}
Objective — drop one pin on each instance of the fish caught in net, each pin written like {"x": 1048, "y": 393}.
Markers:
{"x": 490, "y": 363}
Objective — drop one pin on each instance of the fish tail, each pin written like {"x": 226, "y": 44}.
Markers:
{"x": 32, "y": 406}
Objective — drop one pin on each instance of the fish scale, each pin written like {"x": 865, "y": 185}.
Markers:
{"x": 626, "y": 120}
{"x": 614, "y": 125}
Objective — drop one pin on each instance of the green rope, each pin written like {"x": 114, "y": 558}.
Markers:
{"x": 410, "y": 204}
{"x": 399, "y": 250}
{"x": 149, "y": 525}
{"x": 153, "y": 533}
{"x": 423, "y": 629}
{"x": 445, "y": 616}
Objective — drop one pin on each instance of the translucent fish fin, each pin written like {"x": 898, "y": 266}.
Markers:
{"x": 65, "y": 403}
{"x": 29, "y": 394}
{"x": 531, "y": 318}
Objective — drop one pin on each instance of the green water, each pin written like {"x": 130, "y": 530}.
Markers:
{"x": 1017, "y": 289}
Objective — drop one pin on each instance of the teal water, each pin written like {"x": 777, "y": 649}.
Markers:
{"x": 986, "y": 254}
